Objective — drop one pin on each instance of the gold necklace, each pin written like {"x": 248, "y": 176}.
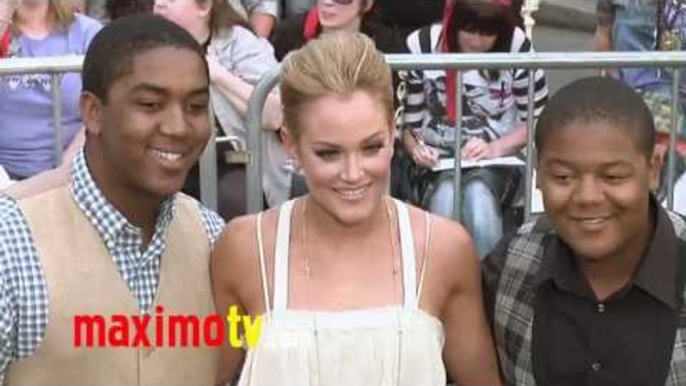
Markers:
{"x": 394, "y": 273}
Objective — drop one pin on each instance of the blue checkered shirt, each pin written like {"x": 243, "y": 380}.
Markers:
{"x": 23, "y": 296}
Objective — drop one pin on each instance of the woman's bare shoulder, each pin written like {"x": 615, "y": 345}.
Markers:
{"x": 445, "y": 232}
{"x": 450, "y": 248}
{"x": 237, "y": 247}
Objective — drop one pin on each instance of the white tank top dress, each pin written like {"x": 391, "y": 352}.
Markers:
{"x": 394, "y": 345}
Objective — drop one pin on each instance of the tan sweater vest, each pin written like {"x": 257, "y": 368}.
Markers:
{"x": 82, "y": 279}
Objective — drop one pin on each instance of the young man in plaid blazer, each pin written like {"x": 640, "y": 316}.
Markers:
{"x": 592, "y": 293}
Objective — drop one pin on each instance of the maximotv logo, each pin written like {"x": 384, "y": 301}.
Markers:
{"x": 161, "y": 330}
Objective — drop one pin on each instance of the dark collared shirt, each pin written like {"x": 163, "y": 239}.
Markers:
{"x": 626, "y": 339}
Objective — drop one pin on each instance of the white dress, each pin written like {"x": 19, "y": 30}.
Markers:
{"x": 394, "y": 345}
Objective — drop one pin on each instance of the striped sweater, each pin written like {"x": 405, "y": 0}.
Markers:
{"x": 491, "y": 107}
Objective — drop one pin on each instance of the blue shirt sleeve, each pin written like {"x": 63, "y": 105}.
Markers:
{"x": 23, "y": 292}
{"x": 8, "y": 325}
{"x": 214, "y": 224}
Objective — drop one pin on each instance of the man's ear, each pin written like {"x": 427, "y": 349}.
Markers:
{"x": 537, "y": 170}
{"x": 290, "y": 144}
{"x": 91, "y": 112}
{"x": 538, "y": 180}
{"x": 655, "y": 165}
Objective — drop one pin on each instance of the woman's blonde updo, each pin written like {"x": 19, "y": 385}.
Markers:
{"x": 338, "y": 64}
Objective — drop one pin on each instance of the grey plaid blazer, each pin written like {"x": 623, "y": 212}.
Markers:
{"x": 510, "y": 295}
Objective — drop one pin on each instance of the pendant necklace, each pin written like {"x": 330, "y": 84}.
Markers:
{"x": 394, "y": 274}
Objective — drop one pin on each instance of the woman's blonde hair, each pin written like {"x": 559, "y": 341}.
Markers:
{"x": 60, "y": 13}
{"x": 337, "y": 63}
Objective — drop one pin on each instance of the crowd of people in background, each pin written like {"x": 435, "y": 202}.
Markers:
{"x": 648, "y": 26}
{"x": 39, "y": 29}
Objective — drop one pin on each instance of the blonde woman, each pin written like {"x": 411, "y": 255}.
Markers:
{"x": 38, "y": 29}
{"x": 354, "y": 287}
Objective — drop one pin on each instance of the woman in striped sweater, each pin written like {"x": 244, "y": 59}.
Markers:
{"x": 493, "y": 117}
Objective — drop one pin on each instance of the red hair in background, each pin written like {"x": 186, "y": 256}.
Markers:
{"x": 5, "y": 44}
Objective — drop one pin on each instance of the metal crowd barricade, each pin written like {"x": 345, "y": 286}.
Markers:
{"x": 57, "y": 66}
{"x": 529, "y": 61}
{"x": 254, "y": 170}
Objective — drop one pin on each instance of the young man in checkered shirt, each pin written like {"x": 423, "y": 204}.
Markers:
{"x": 116, "y": 240}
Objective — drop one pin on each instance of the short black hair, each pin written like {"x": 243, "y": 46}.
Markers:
{"x": 488, "y": 15}
{"x": 596, "y": 99}
{"x": 111, "y": 52}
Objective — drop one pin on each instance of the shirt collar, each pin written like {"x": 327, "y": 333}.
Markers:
{"x": 106, "y": 219}
{"x": 656, "y": 273}
{"x": 559, "y": 266}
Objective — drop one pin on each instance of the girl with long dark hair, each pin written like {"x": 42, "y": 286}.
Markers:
{"x": 493, "y": 118}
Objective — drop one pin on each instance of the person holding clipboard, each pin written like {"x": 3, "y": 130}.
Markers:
{"x": 493, "y": 120}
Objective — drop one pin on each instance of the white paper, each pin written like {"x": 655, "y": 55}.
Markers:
{"x": 449, "y": 163}
{"x": 5, "y": 180}
{"x": 680, "y": 195}
{"x": 536, "y": 196}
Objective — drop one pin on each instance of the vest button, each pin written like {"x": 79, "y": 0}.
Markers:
{"x": 601, "y": 308}
{"x": 596, "y": 366}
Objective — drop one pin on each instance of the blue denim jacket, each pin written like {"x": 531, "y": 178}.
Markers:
{"x": 634, "y": 29}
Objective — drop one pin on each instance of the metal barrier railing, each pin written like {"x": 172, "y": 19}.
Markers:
{"x": 254, "y": 171}
{"x": 530, "y": 61}
{"x": 56, "y": 66}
